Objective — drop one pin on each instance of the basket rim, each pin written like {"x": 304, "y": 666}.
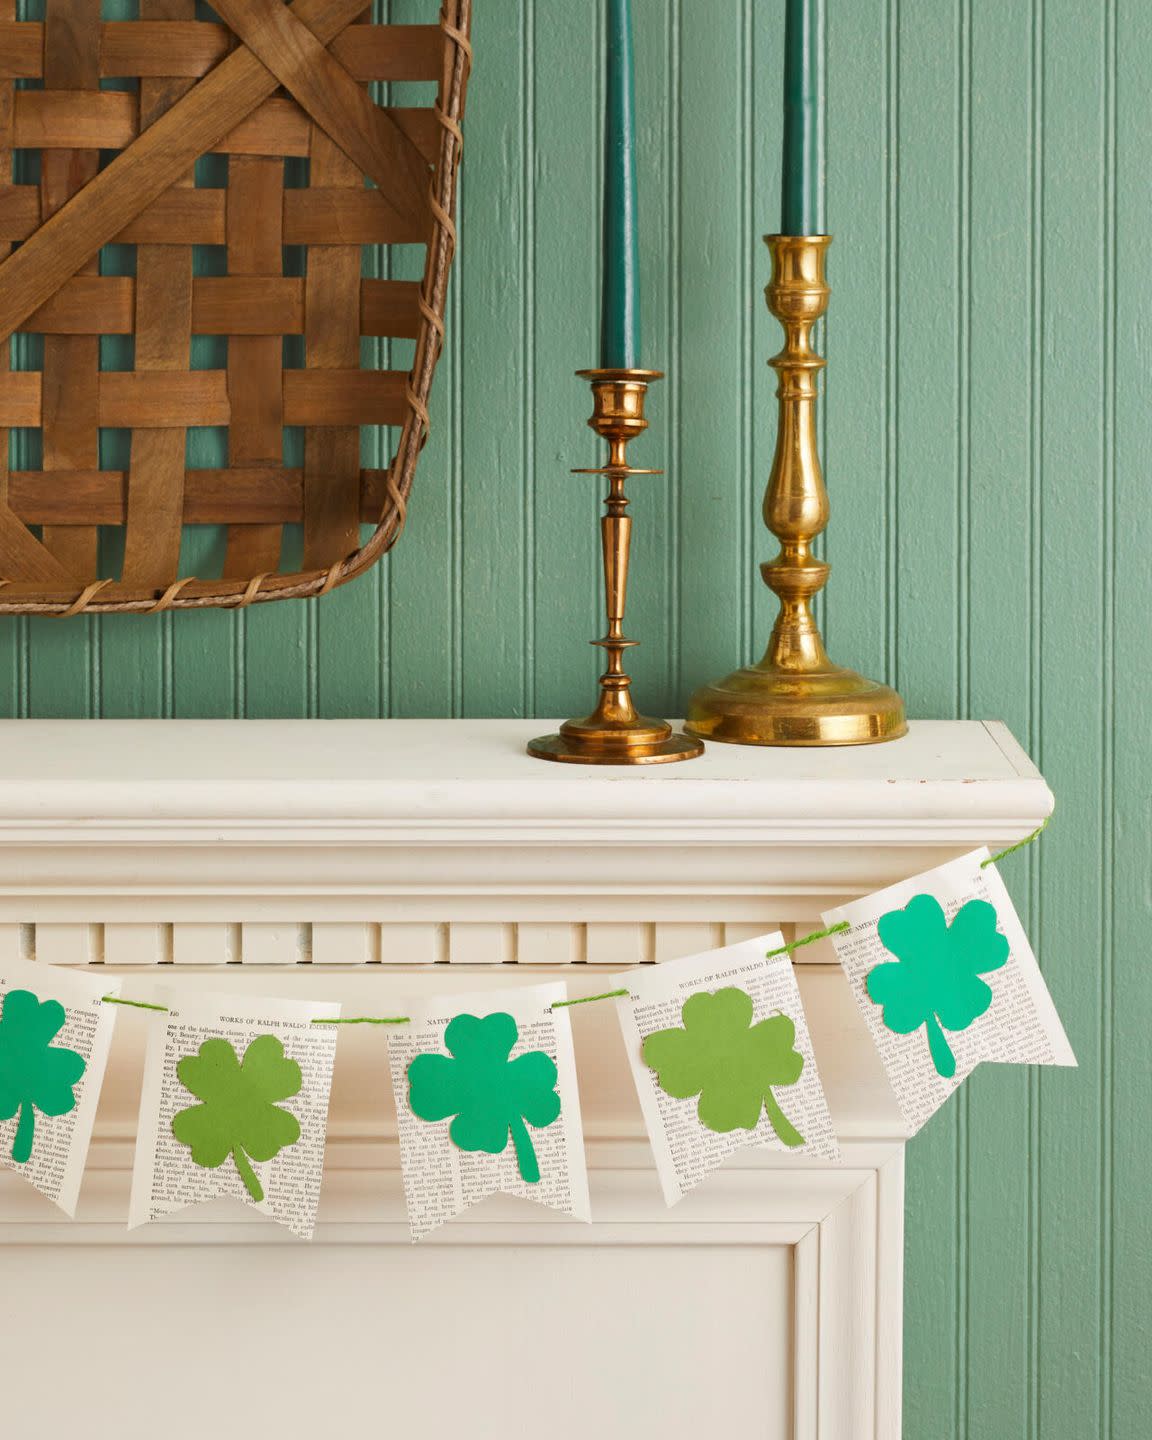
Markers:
{"x": 190, "y": 593}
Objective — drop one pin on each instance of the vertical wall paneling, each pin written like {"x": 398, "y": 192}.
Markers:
{"x": 1073, "y": 740}
{"x": 709, "y": 377}
{"x": 857, "y": 380}
{"x": 653, "y": 611}
{"x": 420, "y": 619}
{"x": 994, "y": 675}
{"x": 561, "y": 169}
{"x": 931, "y": 292}
{"x": 498, "y": 584}
{"x": 1126, "y": 1013}
{"x": 987, "y": 449}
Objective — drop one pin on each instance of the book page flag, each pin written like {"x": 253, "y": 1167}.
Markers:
{"x": 54, "y": 1038}
{"x": 486, "y": 1103}
{"x": 721, "y": 1056}
{"x": 944, "y": 975}
{"x": 235, "y": 1103}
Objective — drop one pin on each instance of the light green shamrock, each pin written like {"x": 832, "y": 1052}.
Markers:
{"x": 730, "y": 1063}
{"x": 239, "y": 1116}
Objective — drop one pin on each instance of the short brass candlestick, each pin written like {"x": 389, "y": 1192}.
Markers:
{"x": 795, "y": 695}
{"x": 614, "y": 734}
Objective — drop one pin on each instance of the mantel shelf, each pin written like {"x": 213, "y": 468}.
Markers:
{"x": 401, "y": 781}
{"x": 417, "y": 841}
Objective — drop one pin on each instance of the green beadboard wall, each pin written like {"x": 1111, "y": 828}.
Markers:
{"x": 988, "y": 437}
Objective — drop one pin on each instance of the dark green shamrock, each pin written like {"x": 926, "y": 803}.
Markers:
{"x": 729, "y": 1062}
{"x": 936, "y": 979}
{"x": 490, "y": 1095}
{"x": 34, "y": 1073}
{"x": 239, "y": 1116}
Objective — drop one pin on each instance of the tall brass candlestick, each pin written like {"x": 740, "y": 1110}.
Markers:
{"x": 614, "y": 734}
{"x": 795, "y": 695}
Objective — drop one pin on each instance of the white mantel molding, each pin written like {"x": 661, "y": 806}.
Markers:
{"x": 408, "y": 822}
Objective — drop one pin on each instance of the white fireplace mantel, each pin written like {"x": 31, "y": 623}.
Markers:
{"x": 367, "y": 861}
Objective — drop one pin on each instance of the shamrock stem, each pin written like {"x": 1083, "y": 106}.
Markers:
{"x": 248, "y": 1175}
{"x": 25, "y": 1128}
{"x": 780, "y": 1122}
{"x": 942, "y": 1056}
{"x": 525, "y": 1151}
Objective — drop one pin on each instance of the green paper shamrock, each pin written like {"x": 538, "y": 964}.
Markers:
{"x": 729, "y": 1062}
{"x": 936, "y": 979}
{"x": 239, "y": 1116}
{"x": 34, "y": 1073}
{"x": 490, "y": 1095}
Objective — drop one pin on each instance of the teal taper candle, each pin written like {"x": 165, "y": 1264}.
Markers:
{"x": 802, "y": 188}
{"x": 620, "y": 296}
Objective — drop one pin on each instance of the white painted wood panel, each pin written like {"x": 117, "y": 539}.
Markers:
{"x": 619, "y": 944}
{"x": 11, "y": 947}
{"x": 264, "y": 944}
{"x": 353, "y": 861}
{"x": 412, "y": 944}
{"x": 549, "y": 944}
{"x": 342, "y": 943}
{"x": 480, "y": 943}
{"x": 197, "y": 943}
{"x": 137, "y": 944}
{"x": 68, "y": 943}
{"x": 422, "y": 1343}
{"x": 674, "y": 939}
{"x": 361, "y": 942}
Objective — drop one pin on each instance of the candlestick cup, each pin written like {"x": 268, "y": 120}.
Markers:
{"x": 614, "y": 734}
{"x": 795, "y": 695}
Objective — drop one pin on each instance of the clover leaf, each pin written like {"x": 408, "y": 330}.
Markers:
{"x": 730, "y": 1063}
{"x": 490, "y": 1096}
{"x": 239, "y": 1116}
{"x": 935, "y": 981}
{"x": 34, "y": 1073}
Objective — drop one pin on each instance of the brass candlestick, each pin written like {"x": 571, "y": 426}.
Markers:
{"x": 795, "y": 695}
{"x": 614, "y": 734}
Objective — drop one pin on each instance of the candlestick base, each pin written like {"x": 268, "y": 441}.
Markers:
{"x": 596, "y": 741}
{"x": 760, "y": 705}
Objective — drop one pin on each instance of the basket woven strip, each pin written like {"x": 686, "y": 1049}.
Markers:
{"x": 7, "y": 94}
{"x": 275, "y": 81}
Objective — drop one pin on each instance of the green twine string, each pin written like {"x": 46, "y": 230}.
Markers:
{"x": 1020, "y": 844}
{"x": 843, "y": 925}
{"x": 587, "y": 999}
{"x": 367, "y": 1020}
{"x": 787, "y": 949}
{"x": 808, "y": 939}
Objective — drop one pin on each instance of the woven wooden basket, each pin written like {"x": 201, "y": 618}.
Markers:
{"x": 275, "y": 81}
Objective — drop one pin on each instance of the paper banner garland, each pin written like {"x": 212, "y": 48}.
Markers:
{"x": 234, "y": 1103}
{"x": 943, "y": 973}
{"x": 721, "y": 1056}
{"x": 486, "y": 1103}
{"x": 54, "y": 1039}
